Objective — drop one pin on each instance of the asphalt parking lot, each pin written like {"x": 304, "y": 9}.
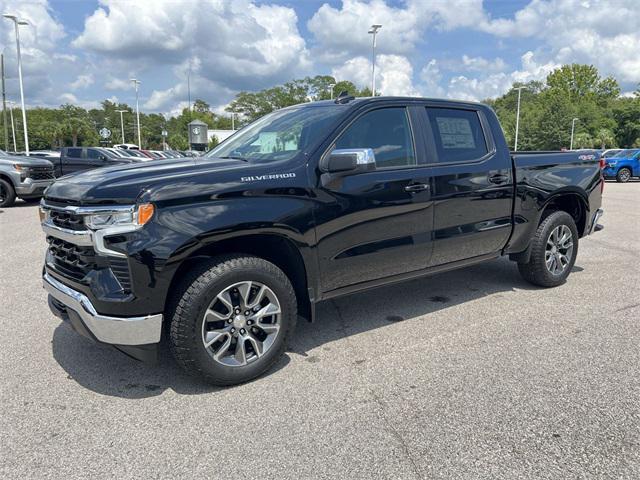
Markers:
{"x": 470, "y": 374}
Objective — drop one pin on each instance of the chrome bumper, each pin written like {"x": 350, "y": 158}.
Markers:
{"x": 114, "y": 330}
{"x": 595, "y": 227}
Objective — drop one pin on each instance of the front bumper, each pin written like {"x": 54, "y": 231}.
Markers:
{"x": 78, "y": 310}
{"x": 30, "y": 187}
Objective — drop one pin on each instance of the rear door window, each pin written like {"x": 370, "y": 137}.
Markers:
{"x": 458, "y": 134}
{"x": 74, "y": 152}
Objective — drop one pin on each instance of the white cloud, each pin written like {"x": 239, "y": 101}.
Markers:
{"x": 480, "y": 64}
{"x": 238, "y": 44}
{"x": 488, "y": 86}
{"x": 430, "y": 78}
{"x": 83, "y": 81}
{"x": 341, "y": 33}
{"x": 118, "y": 83}
{"x": 394, "y": 74}
{"x": 68, "y": 98}
{"x": 599, "y": 32}
{"x": 38, "y": 42}
{"x": 356, "y": 70}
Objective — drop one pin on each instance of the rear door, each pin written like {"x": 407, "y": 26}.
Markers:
{"x": 72, "y": 160}
{"x": 376, "y": 224}
{"x": 472, "y": 185}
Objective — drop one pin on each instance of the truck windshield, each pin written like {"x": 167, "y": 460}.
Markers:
{"x": 280, "y": 135}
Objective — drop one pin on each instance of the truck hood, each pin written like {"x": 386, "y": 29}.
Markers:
{"x": 158, "y": 179}
{"x": 30, "y": 161}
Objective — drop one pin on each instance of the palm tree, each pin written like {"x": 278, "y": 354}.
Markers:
{"x": 583, "y": 140}
{"x": 605, "y": 137}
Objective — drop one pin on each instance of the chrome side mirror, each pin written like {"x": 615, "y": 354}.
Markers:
{"x": 349, "y": 161}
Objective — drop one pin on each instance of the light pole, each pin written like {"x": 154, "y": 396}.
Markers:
{"x": 122, "y": 123}
{"x": 373, "y": 31}
{"x": 331, "y": 86}
{"x": 233, "y": 123}
{"x": 515, "y": 146}
{"x": 17, "y": 22}
{"x": 573, "y": 126}
{"x": 136, "y": 83}
{"x": 13, "y": 127}
{"x": 189, "y": 89}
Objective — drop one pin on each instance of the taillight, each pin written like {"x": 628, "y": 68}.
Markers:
{"x": 603, "y": 163}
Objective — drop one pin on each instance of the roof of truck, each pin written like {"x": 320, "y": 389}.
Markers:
{"x": 383, "y": 99}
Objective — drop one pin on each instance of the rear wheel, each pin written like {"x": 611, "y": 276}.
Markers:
{"x": 623, "y": 175}
{"x": 554, "y": 249}
{"x": 233, "y": 321}
{"x": 7, "y": 194}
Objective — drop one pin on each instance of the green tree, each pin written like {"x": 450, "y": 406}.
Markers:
{"x": 178, "y": 142}
{"x": 580, "y": 81}
{"x": 605, "y": 138}
{"x": 253, "y": 105}
{"x": 583, "y": 140}
{"x": 76, "y": 124}
{"x": 213, "y": 143}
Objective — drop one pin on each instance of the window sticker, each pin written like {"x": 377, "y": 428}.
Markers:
{"x": 455, "y": 132}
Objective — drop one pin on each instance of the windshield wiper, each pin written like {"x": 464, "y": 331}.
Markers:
{"x": 235, "y": 158}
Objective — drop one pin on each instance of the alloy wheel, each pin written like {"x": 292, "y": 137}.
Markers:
{"x": 241, "y": 323}
{"x": 624, "y": 175}
{"x": 559, "y": 249}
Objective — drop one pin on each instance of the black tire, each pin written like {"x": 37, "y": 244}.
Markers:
{"x": 623, "y": 175}
{"x": 536, "y": 270}
{"x": 7, "y": 194}
{"x": 194, "y": 296}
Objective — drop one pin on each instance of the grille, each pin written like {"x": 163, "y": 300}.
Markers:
{"x": 43, "y": 173}
{"x": 70, "y": 221}
{"x": 71, "y": 260}
{"x": 75, "y": 262}
{"x": 120, "y": 268}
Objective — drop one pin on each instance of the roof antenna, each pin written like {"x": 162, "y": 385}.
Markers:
{"x": 344, "y": 97}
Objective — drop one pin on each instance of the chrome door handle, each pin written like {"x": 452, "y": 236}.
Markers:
{"x": 499, "y": 179}
{"x": 416, "y": 187}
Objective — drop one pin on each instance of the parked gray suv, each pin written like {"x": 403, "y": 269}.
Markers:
{"x": 23, "y": 177}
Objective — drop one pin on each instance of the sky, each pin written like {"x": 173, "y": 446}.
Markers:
{"x": 84, "y": 51}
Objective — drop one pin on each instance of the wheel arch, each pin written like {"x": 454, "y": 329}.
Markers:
{"x": 275, "y": 248}
{"x": 7, "y": 178}
{"x": 573, "y": 202}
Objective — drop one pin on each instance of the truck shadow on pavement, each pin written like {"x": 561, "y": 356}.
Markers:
{"x": 104, "y": 370}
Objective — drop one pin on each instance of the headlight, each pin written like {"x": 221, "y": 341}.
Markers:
{"x": 134, "y": 217}
{"x": 23, "y": 169}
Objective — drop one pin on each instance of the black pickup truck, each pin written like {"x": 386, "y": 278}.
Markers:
{"x": 222, "y": 253}
{"x": 77, "y": 159}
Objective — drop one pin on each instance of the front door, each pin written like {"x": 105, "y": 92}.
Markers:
{"x": 376, "y": 224}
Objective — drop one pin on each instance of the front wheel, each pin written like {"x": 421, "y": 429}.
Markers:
{"x": 554, "y": 249}
{"x": 233, "y": 321}
{"x": 623, "y": 175}
{"x": 7, "y": 194}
